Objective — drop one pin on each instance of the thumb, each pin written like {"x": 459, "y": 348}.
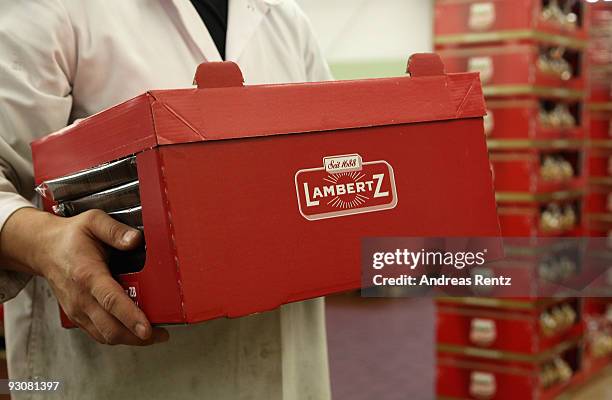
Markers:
{"x": 112, "y": 232}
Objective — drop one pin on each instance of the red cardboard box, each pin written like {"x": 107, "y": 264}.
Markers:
{"x": 598, "y": 225}
{"x": 474, "y": 21}
{"x": 504, "y": 376}
{"x": 600, "y": 90}
{"x": 519, "y": 119}
{"x": 523, "y": 214}
{"x": 237, "y": 183}
{"x": 517, "y": 331}
{"x": 600, "y": 49}
{"x": 597, "y": 307}
{"x": 598, "y": 353}
{"x": 598, "y": 199}
{"x": 514, "y": 64}
{"x": 599, "y": 159}
{"x": 600, "y": 121}
{"x": 537, "y": 170}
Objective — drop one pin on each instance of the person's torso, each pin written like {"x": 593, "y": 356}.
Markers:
{"x": 125, "y": 48}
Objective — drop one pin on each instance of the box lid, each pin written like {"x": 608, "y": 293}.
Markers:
{"x": 222, "y": 107}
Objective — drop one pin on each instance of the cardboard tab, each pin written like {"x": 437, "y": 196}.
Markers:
{"x": 218, "y": 75}
{"x": 425, "y": 64}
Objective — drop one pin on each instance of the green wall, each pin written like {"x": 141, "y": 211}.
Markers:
{"x": 368, "y": 69}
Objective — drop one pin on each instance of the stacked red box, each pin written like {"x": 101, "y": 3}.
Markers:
{"x": 465, "y": 377}
{"x": 598, "y": 201}
{"x": 600, "y": 52}
{"x": 537, "y": 167}
{"x": 598, "y": 339}
{"x": 533, "y": 329}
{"x": 477, "y": 22}
{"x": 521, "y": 119}
{"x": 508, "y": 348}
{"x": 600, "y": 120}
{"x": 541, "y": 269}
{"x": 533, "y": 63}
{"x": 547, "y": 215}
{"x": 599, "y": 198}
{"x": 509, "y": 66}
{"x": 598, "y": 206}
{"x": 239, "y": 183}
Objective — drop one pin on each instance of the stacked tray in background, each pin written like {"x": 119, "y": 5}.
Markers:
{"x": 533, "y": 63}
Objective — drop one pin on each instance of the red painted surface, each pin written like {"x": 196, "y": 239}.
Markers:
{"x": 225, "y": 236}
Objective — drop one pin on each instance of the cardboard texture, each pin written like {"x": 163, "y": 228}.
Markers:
{"x": 257, "y": 196}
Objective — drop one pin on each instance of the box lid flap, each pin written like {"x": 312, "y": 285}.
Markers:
{"x": 221, "y": 107}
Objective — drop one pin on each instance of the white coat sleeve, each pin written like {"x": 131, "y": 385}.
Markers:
{"x": 37, "y": 59}
{"x": 317, "y": 68}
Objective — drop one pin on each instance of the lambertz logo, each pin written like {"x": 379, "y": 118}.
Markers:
{"x": 345, "y": 185}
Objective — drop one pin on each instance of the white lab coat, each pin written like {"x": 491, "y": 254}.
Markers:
{"x": 61, "y": 60}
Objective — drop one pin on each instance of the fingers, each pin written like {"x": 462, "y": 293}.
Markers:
{"x": 110, "y": 231}
{"x": 98, "y": 310}
{"x": 87, "y": 325}
{"x": 89, "y": 295}
{"x": 113, "y": 332}
{"x": 112, "y": 298}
